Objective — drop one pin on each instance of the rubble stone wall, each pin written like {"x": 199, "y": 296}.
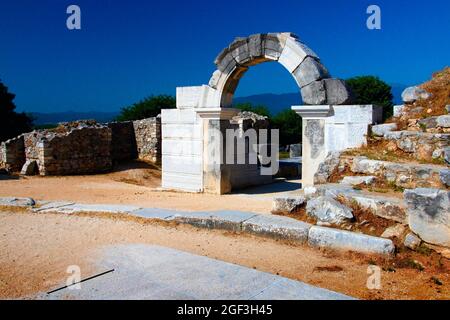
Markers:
{"x": 12, "y": 156}
{"x": 80, "y": 151}
{"x": 147, "y": 134}
{"x": 82, "y": 147}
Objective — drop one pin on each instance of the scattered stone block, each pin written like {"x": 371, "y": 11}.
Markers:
{"x": 396, "y": 231}
{"x": 326, "y": 209}
{"x": 287, "y": 203}
{"x": 443, "y": 121}
{"x": 414, "y": 93}
{"x": 355, "y": 180}
{"x": 346, "y": 240}
{"x": 412, "y": 241}
{"x": 447, "y": 155}
{"x": 429, "y": 214}
{"x": 381, "y": 129}
{"x": 444, "y": 175}
{"x": 17, "y": 202}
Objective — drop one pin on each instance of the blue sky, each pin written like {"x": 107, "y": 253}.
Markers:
{"x": 130, "y": 49}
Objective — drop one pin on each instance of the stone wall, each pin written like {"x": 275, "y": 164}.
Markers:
{"x": 123, "y": 144}
{"x": 82, "y": 147}
{"x": 12, "y": 156}
{"x": 73, "y": 148}
{"x": 147, "y": 133}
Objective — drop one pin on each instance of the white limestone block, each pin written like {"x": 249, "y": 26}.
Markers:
{"x": 188, "y": 97}
{"x": 294, "y": 53}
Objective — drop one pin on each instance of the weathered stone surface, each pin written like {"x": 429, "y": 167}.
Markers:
{"x": 326, "y": 209}
{"x": 445, "y": 177}
{"x": 381, "y": 129}
{"x": 29, "y": 168}
{"x": 406, "y": 175}
{"x": 314, "y": 93}
{"x": 381, "y": 205}
{"x": 355, "y": 180}
{"x": 295, "y": 150}
{"x": 287, "y": 203}
{"x": 12, "y": 154}
{"x": 17, "y": 202}
{"x": 429, "y": 214}
{"x": 443, "y": 121}
{"x": 412, "y": 241}
{"x": 228, "y": 220}
{"x": 309, "y": 70}
{"x": 327, "y": 167}
{"x": 396, "y": 231}
{"x": 345, "y": 240}
{"x": 414, "y": 93}
{"x": 398, "y": 110}
{"x": 447, "y": 155}
{"x": 337, "y": 92}
{"x": 315, "y": 136}
{"x": 277, "y": 227}
{"x": 428, "y": 123}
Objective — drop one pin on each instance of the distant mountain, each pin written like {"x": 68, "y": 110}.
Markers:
{"x": 54, "y": 118}
{"x": 274, "y": 102}
{"x": 280, "y": 102}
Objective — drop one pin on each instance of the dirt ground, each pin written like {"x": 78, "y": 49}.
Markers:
{"x": 135, "y": 183}
{"x": 36, "y": 249}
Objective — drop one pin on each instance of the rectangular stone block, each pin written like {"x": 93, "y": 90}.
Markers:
{"x": 182, "y": 181}
{"x": 346, "y": 240}
{"x": 277, "y": 227}
{"x": 188, "y": 97}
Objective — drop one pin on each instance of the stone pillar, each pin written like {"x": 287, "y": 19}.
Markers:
{"x": 314, "y": 149}
{"x": 216, "y": 174}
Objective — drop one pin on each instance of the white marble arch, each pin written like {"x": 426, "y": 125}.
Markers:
{"x": 187, "y": 130}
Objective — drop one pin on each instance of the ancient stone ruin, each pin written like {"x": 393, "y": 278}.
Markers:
{"x": 82, "y": 147}
{"x": 190, "y": 131}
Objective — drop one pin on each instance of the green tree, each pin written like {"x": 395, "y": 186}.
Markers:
{"x": 289, "y": 125}
{"x": 147, "y": 108}
{"x": 258, "y": 109}
{"x": 372, "y": 90}
{"x": 12, "y": 123}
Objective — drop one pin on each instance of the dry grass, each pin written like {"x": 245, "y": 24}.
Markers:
{"x": 439, "y": 87}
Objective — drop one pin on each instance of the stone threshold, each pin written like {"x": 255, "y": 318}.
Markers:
{"x": 272, "y": 226}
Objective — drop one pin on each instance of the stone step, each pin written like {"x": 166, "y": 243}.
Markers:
{"x": 382, "y": 205}
{"x": 422, "y": 145}
{"x": 405, "y": 175}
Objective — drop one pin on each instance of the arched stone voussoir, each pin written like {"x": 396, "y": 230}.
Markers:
{"x": 293, "y": 54}
{"x": 338, "y": 93}
{"x": 308, "y": 71}
{"x": 327, "y": 91}
{"x": 314, "y": 93}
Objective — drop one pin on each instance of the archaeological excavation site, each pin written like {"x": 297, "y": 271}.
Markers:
{"x": 343, "y": 195}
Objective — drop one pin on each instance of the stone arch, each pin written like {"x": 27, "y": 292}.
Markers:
{"x": 313, "y": 79}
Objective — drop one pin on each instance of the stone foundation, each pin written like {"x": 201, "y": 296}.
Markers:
{"x": 12, "y": 155}
{"x": 82, "y": 147}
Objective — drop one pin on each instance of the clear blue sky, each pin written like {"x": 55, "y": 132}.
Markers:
{"x": 127, "y": 50}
